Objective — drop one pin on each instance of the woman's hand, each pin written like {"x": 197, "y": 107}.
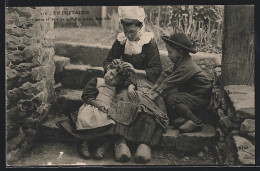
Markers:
{"x": 132, "y": 93}
{"x": 153, "y": 95}
{"x": 128, "y": 66}
{"x": 116, "y": 61}
{"x": 103, "y": 109}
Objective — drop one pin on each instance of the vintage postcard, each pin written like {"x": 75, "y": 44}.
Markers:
{"x": 167, "y": 85}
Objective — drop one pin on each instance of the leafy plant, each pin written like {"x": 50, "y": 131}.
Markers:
{"x": 202, "y": 23}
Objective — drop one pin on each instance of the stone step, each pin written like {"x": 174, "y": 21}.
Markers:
{"x": 68, "y": 100}
{"x": 95, "y": 54}
{"x": 240, "y": 98}
{"x": 76, "y": 76}
{"x": 186, "y": 142}
{"x": 82, "y": 53}
{"x": 60, "y": 63}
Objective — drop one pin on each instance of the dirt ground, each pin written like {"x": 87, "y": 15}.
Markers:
{"x": 65, "y": 154}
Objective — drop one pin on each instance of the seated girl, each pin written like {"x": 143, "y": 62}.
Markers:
{"x": 97, "y": 96}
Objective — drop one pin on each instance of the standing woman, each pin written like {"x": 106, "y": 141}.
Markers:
{"x": 138, "y": 119}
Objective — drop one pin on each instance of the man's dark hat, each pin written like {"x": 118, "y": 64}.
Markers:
{"x": 179, "y": 40}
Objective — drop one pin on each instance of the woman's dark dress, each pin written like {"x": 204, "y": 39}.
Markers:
{"x": 143, "y": 121}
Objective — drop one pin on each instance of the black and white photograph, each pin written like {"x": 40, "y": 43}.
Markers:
{"x": 144, "y": 85}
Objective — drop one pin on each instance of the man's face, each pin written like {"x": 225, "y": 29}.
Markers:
{"x": 173, "y": 54}
{"x": 111, "y": 77}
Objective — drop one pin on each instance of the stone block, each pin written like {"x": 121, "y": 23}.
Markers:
{"x": 47, "y": 55}
{"x": 43, "y": 109}
{"x": 195, "y": 141}
{"x": 47, "y": 43}
{"x": 245, "y": 150}
{"x": 15, "y": 31}
{"x": 247, "y": 126}
{"x": 40, "y": 86}
{"x": 14, "y": 96}
{"x": 26, "y": 105}
{"x": 16, "y": 154}
{"x": 242, "y": 98}
{"x": 226, "y": 125}
{"x": 221, "y": 146}
{"x": 12, "y": 129}
{"x": 23, "y": 11}
{"x": 30, "y": 52}
{"x": 169, "y": 138}
{"x": 25, "y": 76}
{"x": 13, "y": 39}
{"x": 221, "y": 113}
{"x": 11, "y": 46}
{"x": 60, "y": 63}
{"x": 29, "y": 123}
{"x": 11, "y": 18}
{"x": 50, "y": 131}
{"x": 30, "y": 88}
{"x": 16, "y": 141}
{"x": 230, "y": 150}
{"x": 69, "y": 101}
{"x": 76, "y": 76}
{"x": 21, "y": 22}
{"x": 221, "y": 135}
{"x": 24, "y": 67}
{"x": 81, "y": 53}
{"x": 16, "y": 114}
{"x": 16, "y": 59}
{"x": 21, "y": 47}
{"x": 38, "y": 73}
{"x": 12, "y": 77}
{"x": 7, "y": 62}
{"x": 32, "y": 32}
{"x": 28, "y": 41}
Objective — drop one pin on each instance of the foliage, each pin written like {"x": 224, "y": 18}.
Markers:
{"x": 202, "y": 23}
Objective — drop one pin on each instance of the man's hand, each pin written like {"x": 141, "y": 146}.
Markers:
{"x": 153, "y": 95}
{"x": 103, "y": 109}
{"x": 154, "y": 87}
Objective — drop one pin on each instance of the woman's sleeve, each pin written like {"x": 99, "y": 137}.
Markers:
{"x": 90, "y": 90}
{"x": 114, "y": 53}
{"x": 154, "y": 69}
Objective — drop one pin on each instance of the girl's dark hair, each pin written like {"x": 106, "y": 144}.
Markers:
{"x": 122, "y": 73}
{"x": 129, "y": 22}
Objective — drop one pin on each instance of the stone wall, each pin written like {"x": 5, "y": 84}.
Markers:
{"x": 234, "y": 105}
{"x": 29, "y": 75}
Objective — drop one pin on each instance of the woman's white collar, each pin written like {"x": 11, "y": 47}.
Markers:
{"x": 134, "y": 47}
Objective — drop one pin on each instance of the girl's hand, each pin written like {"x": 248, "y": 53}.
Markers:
{"x": 103, "y": 109}
{"x": 128, "y": 66}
